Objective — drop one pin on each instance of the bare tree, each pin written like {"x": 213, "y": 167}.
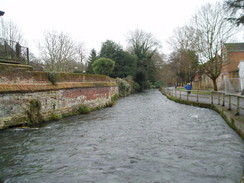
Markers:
{"x": 212, "y": 30}
{"x": 184, "y": 56}
{"x": 143, "y": 44}
{"x": 183, "y": 38}
{"x": 10, "y": 31}
{"x": 59, "y": 51}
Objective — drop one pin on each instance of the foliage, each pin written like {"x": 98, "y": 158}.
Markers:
{"x": 184, "y": 65}
{"x": 53, "y": 77}
{"x": 84, "y": 109}
{"x": 236, "y": 10}
{"x": 54, "y": 116}
{"x": 34, "y": 111}
{"x": 93, "y": 56}
{"x": 144, "y": 46}
{"x": 159, "y": 84}
{"x": 125, "y": 63}
{"x": 110, "y": 49}
{"x": 124, "y": 87}
{"x": 114, "y": 98}
{"x": 134, "y": 85}
{"x": 140, "y": 78}
{"x": 103, "y": 66}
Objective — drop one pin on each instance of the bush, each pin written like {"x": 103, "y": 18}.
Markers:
{"x": 158, "y": 84}
{"x": 103, "y": 66}
{"x": 53, "y": 77}
{"x": 124, "y": 87}
{"x": 135, "y": 87}
{"x": 114, "y": 98}
{"x": 84, "y": 109}
{"x": 54, "y": 116}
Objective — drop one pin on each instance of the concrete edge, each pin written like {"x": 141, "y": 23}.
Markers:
{"x": 235, "y": 122}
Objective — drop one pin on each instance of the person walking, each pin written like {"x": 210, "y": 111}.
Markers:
{"x": 188, "y": 88}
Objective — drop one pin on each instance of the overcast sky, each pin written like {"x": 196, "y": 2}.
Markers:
{"x": 94, "y": 21}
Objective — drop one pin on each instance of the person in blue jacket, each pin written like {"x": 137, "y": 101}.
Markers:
{"x": 188, "y": 88}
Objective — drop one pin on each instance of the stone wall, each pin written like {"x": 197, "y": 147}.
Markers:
{"x": 18, "y": 90}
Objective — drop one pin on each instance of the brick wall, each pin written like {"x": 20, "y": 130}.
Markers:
{"x": 71, "y": 91}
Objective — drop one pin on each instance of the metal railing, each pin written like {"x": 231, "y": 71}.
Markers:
{"x": 13, "y": 52}
{"x": 232, "y": 102}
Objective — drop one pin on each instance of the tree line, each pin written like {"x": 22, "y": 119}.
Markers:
{"x": 196, "y": 49}
{"x": 198, "y": 45}
{"x": 138, "y": 61}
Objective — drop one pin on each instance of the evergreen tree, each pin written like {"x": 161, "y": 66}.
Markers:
{"x": 144, "y": 46}
{"x": 93, "y": 56}
{"x": 103, "y": 66}
{"x": 236, "y": 9}
{"x": 125, "y": 63}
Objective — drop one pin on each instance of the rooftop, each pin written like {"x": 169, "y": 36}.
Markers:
{"x": 234, "y": 46}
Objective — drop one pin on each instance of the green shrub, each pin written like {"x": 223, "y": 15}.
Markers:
{"x": 124, "y": 87}
{"x": 103, "y": 66}
{"x": 84, "y": 109}
{"x": 53, "y": 77}
{"x": 54, "y": 116}
{"x": 158, "y": 84}
{"x": 114, "y": 98}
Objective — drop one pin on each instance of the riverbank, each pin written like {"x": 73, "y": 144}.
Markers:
{"x": 235, "y": 122}
{"x": 29, "y": 98}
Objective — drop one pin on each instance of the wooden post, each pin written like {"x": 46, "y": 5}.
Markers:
{"x": 229, "y": 102}
{"x": 211, "y": 98}
{"x": 218, "y": 98}
{"x": 180, "y": 94}
{"x": 187, "y": 95}
{"x": 197, "y": 95}
{"x": 237, "y": 106}
{"x": 223, "y": 102}
{"x": 27, "y": 56}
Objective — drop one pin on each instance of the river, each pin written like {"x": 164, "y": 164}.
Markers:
{"x": 144, "y": 138}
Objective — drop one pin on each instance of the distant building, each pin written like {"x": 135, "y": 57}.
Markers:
{"x": 229, "y": 78}
{"x": 232, "y": 54}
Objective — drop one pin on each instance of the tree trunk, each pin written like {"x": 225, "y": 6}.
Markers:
{"x": 215, "y": 84}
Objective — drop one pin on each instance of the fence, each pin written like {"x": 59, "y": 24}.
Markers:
{"x": 232, "y": 102}
{"x": 13, "y": 52}
{"x": 233, "y": 85}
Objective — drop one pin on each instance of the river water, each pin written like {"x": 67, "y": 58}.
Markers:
{"x": 144, "y": 138}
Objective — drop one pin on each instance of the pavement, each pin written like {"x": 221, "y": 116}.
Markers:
{"x": 229, "y": 104}
{"x": 226, "y": 105}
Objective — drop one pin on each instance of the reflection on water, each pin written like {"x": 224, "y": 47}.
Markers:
{"x": 144, "y": 138}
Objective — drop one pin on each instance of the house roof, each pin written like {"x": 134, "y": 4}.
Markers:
{"x": 234, "y": 46}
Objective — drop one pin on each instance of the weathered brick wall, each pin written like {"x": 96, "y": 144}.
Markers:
{"x": 18, "y": 89}
{"x": 14, "y": 106}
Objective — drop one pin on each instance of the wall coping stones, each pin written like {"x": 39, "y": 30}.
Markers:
{"x": 10, "y": 88}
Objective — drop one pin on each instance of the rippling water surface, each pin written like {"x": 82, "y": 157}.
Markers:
{"x": 144, "y": 138}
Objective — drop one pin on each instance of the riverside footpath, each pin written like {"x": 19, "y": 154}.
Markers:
{"x": 229, "y": 106}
